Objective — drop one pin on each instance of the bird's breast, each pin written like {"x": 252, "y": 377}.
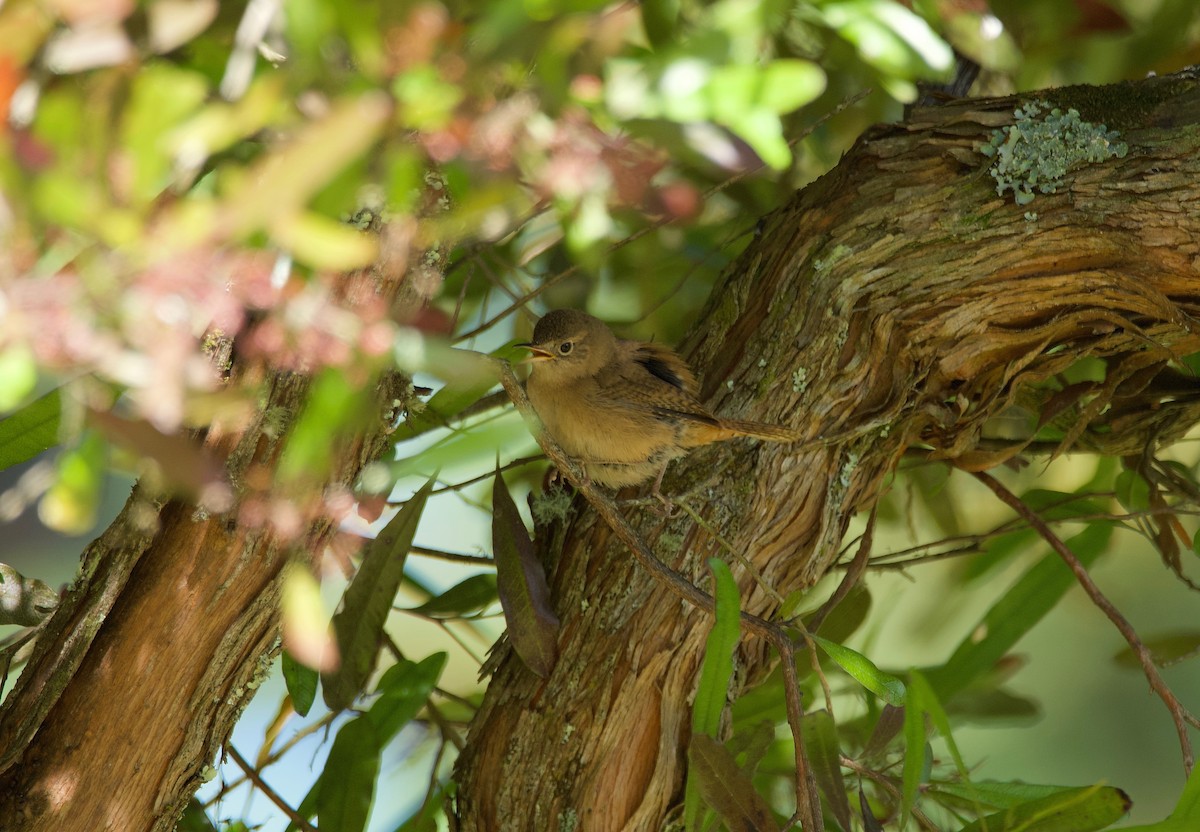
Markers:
{"x": 592, "y": 422}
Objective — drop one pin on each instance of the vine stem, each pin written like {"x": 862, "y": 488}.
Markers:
{"x": 1179, "y": 715}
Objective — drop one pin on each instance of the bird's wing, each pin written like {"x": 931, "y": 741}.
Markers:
{"x": 663, "y": 363}
{"x": 658, "y": 381}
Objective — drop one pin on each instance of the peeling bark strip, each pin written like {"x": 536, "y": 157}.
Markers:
{"x": 897, "y": 300}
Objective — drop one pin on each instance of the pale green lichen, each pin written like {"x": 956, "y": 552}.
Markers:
{"x": 551, "y": 506}
{"x": 568, "y": 820}
{"x": 823, "y": 264}
{"x": 800, "y": 380}
{"x": 847, "y": 469}
{"x": 1035, "y": 152}
{"x": 669, "y": 543}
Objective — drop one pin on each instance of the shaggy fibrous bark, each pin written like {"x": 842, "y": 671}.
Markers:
{"x": 898, "y": 301}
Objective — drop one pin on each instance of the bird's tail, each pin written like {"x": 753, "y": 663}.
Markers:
{"x": 759, "y": 430}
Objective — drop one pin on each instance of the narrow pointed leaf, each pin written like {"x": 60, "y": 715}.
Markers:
{"x": 471, "y": 595}
{"x": 521, "y": 583}
{"x": 884, "y": 685}
{"x": 1015, "y": 614}
{"x": 367, "y": 602}
{"x": 1186, "y": 816}
{"x": 348, "y": 781}
{"x": 301, "y": 683}
{"x": 1077, "y": 810}
{"x": 726, "y": 788}
{"x": 715, "y": 672}
{"x": 915, "y": 759}
{"x": 820, "y": 739}
{"x": 405, "y": 688}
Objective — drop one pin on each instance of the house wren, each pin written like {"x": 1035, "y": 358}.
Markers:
{"x": 623, "y": 409}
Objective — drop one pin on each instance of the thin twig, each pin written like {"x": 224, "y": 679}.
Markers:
{"x": 454, "y": 557}
{"x": 853, "y": 574}
{"x": 808, "y": 806}
{"x": 516, "y": 463}
{"x": 1179, "y": 715}
{"x": 271, "y": 794}
{"x": 886, "y": 783}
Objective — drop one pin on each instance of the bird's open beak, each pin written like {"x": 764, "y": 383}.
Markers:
{"x": 536, "y": 353}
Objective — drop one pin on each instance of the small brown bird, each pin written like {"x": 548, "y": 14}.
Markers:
{"x": 623, "y": 409}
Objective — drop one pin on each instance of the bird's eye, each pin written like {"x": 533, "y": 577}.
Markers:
{"x": 565, "y": 347}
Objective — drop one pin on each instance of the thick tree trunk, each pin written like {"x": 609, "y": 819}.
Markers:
{"x": 138, "y": 678}
{"x": 896, "y": 301}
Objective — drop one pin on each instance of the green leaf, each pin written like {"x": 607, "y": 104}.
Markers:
{"x": 1165, "y": 650}
{"x": 790, "y": 83}
{"x": 334, "y": 405}
{"x": 726, "y": 788}
{"x": 70, "y": 504}
{"x": 476, "y": 593}
{"x": 993, "y": 794}
{"x": 923, "y": 700}
{"x": 367, "y": 602}
{"x": 1133, "y": 492}
{"x": 660, "y": 20}
{"x": 521, "y": 584}
{"x": 845, "y": 619}
{"x": 1186, "y": 817}
{"x": 715, "y": 673}
{"x": 404, "y": 689}
{"x": 271, "y": 189}
{"x": 863, "y": 670}
{"x": 31, "y": 430}
{"x": 717, "y": 668}
{"x": 162, "y": 96}
{"x": 324, "y": 243}
{"x": 348, "y": 780}
{"x": 1015, "y": 614}
{"x": 194, "y": 819}
{"x": 18, "y": 375}
{"x": 1075, "y": 810}
{"x": 824, "y": 754}
{"x": 916, "y": 759}
{"x": 301, "y": 683}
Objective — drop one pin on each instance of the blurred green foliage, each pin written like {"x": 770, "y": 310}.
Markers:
{"x": 174, "y": 174}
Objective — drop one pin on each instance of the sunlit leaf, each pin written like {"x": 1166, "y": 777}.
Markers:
{"x": 305, "y": 622}
{"x": 70, "y": 504}
{"x": 31, "y": 430}
{"x": 273, "y": 189}
{"x": 715, "y": 672}
{"x": 367, "y": 602}
{"x": 884, "y": 685}
{"x": 335, "y": 406}
{"x": 521, "y": 584}
{"x": 18, "y": 375}
{"x": 162, "y": 96}
{"x": 324, "y": 243}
